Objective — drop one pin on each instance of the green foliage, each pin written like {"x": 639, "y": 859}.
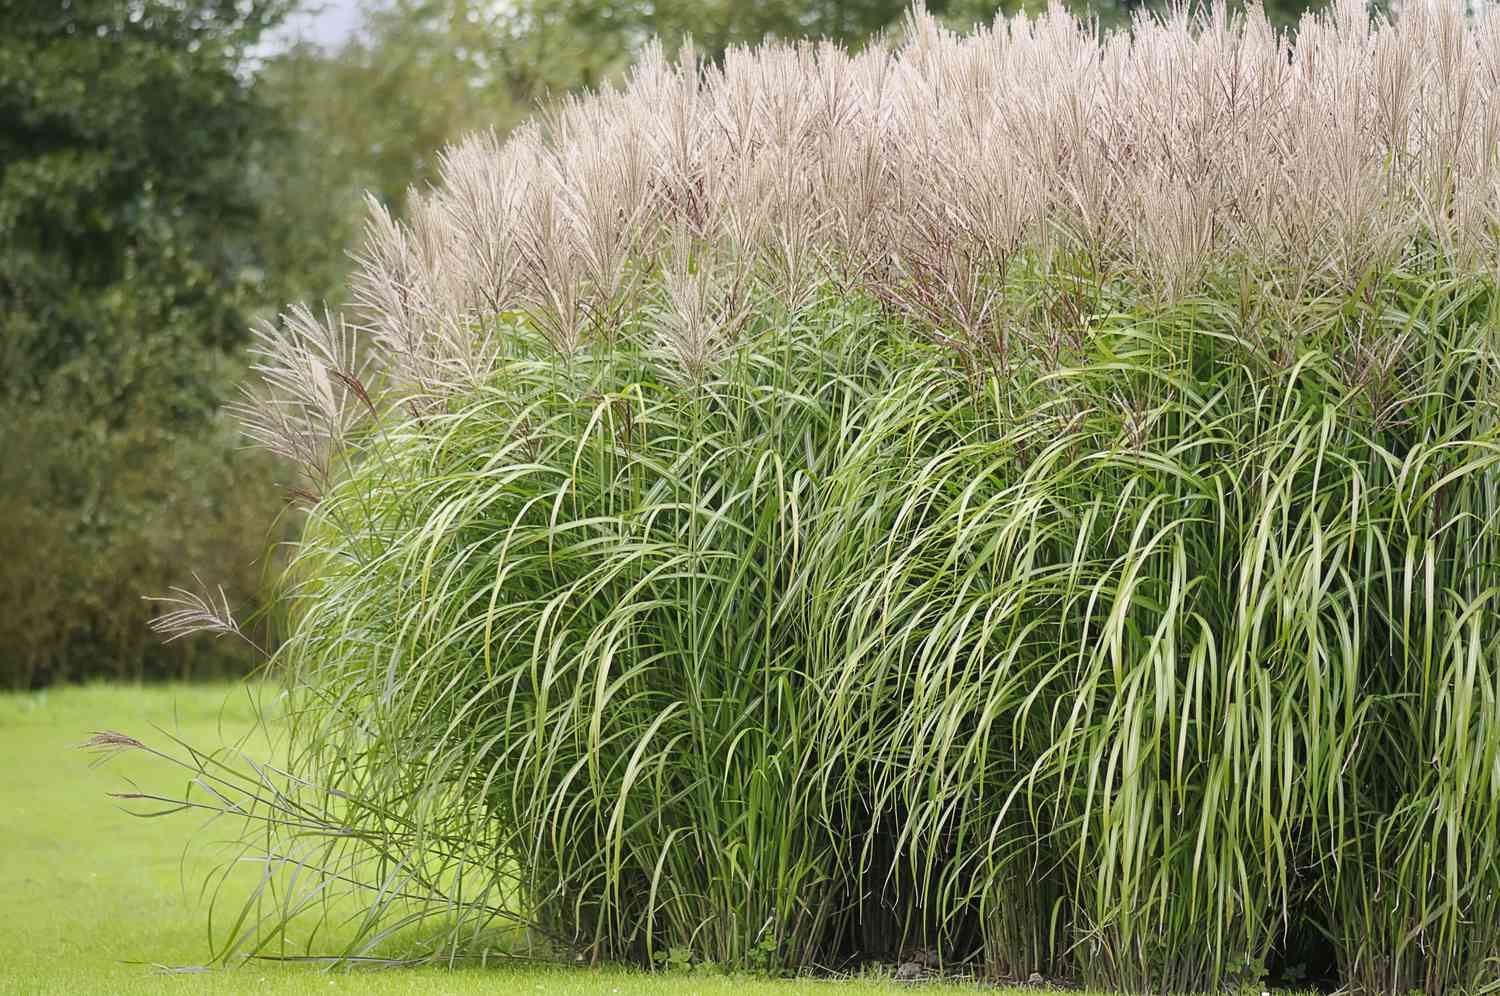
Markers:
{"x": 129, "y": 263}
{"x": 1156, "y": 626}
{"x": 94, "y": 516}
{"x": 1125, "y": 671}
{"x": 122, "y": 144}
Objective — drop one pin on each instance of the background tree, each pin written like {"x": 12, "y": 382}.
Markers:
{"x": 129, "y": 272}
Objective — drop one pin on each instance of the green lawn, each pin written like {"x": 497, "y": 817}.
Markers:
{"x": 94, "y": 897}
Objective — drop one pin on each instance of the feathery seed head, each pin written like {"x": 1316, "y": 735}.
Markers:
{"x": 1188, "y": 148}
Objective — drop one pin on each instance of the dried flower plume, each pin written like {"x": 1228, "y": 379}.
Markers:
{"x": 1188, "y": 146}
{"x": 191, "y": 612}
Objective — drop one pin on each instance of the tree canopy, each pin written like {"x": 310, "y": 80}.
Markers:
{"x": 125, "y": 205}
{"x": 131, "y": 263}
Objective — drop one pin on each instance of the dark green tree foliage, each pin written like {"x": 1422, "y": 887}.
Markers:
{"x": 715, "y": 25}
{"x": 128, "y": 266}
{"x": 122, "y": 132}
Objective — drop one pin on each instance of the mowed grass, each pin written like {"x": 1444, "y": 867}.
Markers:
{"x": 99, "y": 901}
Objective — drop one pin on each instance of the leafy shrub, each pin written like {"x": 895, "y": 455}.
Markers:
{"x": 93, "y": 515}
{"x": 968, "y": 496}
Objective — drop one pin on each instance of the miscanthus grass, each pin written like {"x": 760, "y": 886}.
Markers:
{"x": 1029, "y": 497}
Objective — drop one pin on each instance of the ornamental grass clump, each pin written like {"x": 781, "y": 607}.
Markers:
{"x": 1028, "y": 496}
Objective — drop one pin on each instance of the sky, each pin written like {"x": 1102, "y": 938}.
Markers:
{"x": 326, "y": 22}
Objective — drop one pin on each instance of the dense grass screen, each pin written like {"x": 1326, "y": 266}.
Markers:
{"x": 1030, "y": 495}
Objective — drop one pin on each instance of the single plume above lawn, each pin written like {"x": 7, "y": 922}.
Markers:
{"x": 673, "y": 206}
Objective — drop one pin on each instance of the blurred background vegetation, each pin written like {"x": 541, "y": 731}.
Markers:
{"x": 170, "y": 170}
